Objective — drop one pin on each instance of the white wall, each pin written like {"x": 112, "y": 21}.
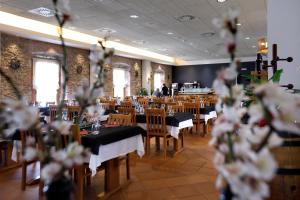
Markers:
{"x": 284, "y": 29}
{"x": 146, "y": 73}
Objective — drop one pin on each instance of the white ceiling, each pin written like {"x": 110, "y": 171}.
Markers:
{"x": 156, "y": 19}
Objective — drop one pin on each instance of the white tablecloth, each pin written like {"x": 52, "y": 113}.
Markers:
{"x": 173, "y": 130}
{"x": 116, "y": 149}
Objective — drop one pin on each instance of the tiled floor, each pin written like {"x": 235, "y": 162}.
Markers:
{"x": 187, "y": 176}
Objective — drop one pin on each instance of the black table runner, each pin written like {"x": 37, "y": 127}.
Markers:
{"x": 170, "y": 120}
{"x": 109, "y": 135}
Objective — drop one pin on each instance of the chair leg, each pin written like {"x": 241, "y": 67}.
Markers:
{"x": 148, "y": 145}
{"x": 128, "y": 166}
{"x": 88, "y": 178}
{"x": 5, "y": 157}
{"x": 165, "y": 148}
{"x": 24, "y": 171}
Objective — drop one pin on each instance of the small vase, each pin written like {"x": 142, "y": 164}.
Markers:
{"x": 226, "y": 194}
{"x": 60, "y": 190}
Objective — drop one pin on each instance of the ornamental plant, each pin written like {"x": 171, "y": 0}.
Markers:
{"x": 243, "y": 136}
{"x": 16, "y": 114}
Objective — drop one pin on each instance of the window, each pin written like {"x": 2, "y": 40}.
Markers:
{"x": 46, "y": 80}
{"x": 121, "y": 80}
{"x": 159, "y": 79}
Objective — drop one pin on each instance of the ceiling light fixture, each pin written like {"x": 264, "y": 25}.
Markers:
{"x": 221, "y": 1}
{"x": 105, "y": 30}
{"x": 42, "y": 11}
{"x": 239, "y": 24}
{"x": 185, "y": 18}
{"x": 207, "y": 34}
{"x": 134, "y": 16}
{"x": 49, "y": 31}
{"x": 247, "y": 38}
{"x": 170, "y": 33}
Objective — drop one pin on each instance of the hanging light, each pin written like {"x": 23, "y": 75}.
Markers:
{"x": 262, "y": 46}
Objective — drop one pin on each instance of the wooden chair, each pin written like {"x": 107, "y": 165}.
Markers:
{"x": 82, "y": 173}
{"x": 24, "y": 137}
{"x": 53, "y": 112}
{"x": 156, "y": 126}
{"x": 119, "y": 119}
{"x": 131, "y": 111}
{"x": 3, "y": 151}
{"x": 124, "y": 120}
{"x": 108, "y": 105}
{"x": 178, "y": 108}
{"x": 127, "y": 104}
{"x": 72, "y": 112}
{"x": 194, "y": 108}
{"x": 143, "y": 102}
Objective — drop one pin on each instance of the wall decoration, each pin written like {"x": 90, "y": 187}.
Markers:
{"x": 15, "y": 63}
{"x": 136, "y": 70}
{"x": 79, "y": 69}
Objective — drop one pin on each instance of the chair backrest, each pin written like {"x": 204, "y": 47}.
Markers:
{"x": 73, "y": 111}
{"x": 109, "y": 105}
{"x": 126, "y": 104}
{"x": 53, "y": 112}
{"x": 25, "y": 135}
{"x": 178, "y": 108}
{"x": 119, "y": 119}
{"x": 193, "y": 108}
{"x": 143, "y": 102}
{"x": 131, "y": 111}
{"x": 156, "y": 121}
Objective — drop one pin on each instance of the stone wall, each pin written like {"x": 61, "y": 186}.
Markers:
{"x": 135, "y": 69}
{"x": 25, "y": 50}
{"x": 167, "y": 70}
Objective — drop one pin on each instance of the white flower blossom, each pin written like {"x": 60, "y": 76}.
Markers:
{"x": 18, "y": 116}
{"x": 50, "y": 171}
{"x": 62, "y": 126}
{"x": 30, "y": 154}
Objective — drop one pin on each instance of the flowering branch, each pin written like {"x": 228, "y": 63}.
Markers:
{"x": 11, "y": 83}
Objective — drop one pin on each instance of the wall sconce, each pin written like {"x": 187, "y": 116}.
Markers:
{"x": 262, "y": 46}
{"x": 15, "y": 63}
{"x": 136, "y": 70}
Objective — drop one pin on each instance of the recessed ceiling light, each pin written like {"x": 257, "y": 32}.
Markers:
{"x": 185, "y": 18}
{"x": 45, "y": 12}
{"x": 163, "y": 49}
{"x": 247, "y": 38}
{"x": 207, "y": 34}
{"x": 239, "y": 24}
{"x": 134, "y": 16}
{"x": 221, "y": 1}
{"x": 141, "y": 42}
{"x": 253, "y": 46}
{"x": 170, "y": 33}
{"x": 105, "y": 30}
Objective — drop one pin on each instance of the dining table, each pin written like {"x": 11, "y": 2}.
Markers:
{"x": 106, "y": 145}
{"x": 176, "y": 123}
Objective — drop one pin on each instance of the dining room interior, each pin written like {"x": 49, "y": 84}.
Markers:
{"x": 149, "y": 99}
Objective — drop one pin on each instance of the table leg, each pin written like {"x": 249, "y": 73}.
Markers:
{"x": 177, "y": 147}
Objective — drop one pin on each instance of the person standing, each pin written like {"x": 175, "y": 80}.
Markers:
{"x": 165, "y": 90}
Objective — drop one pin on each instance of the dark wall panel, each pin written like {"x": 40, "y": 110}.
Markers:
{"x": 205, "y": 74}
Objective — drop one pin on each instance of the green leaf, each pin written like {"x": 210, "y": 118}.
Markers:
{"x": 276, "y": 76}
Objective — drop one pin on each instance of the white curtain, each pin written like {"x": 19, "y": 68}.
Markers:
{"x": 121, "y": 81}
{"x": 159, "y": 79}
{"x": 46, "y": 80}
